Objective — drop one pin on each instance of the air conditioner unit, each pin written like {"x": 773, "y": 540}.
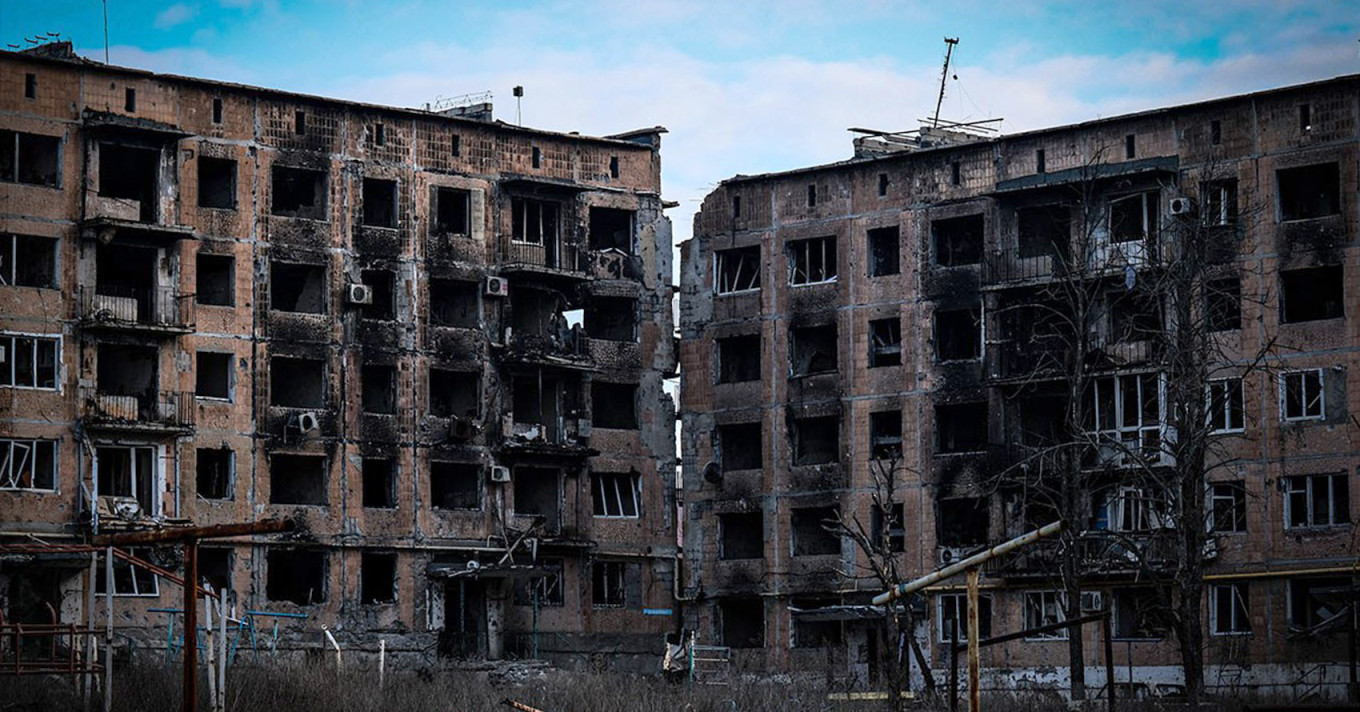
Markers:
{"x": 308, "y": 423}
{"x": 952, "y": 554}
{"x": 359, "y": 294}
{"x": 497, "y": 287}
{"x": 500, "y": 473}
{"x": 462, "y": 429}
{"x": 1182, "y": 206}
{"x": 1092, "y": 601}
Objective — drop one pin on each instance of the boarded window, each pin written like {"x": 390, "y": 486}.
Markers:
{"x": 213, "y": 375}
{"x": 454, "y": 304}
{"x": 455, "y": 485}
{"x": 216, "y": 183}
{"x": 616, "y": 494}
{"x": 613, "y": 405}
{"x": 452, "y": 208}
{"x": 884, "y": 251}
{"x": 812, "y": 261}
{"x": 380, "y": 203}
{"x": 738, "y": 358}
{"x": 216, "y": 280}
{"x": 297, "y": 479}
{"x": 812, "y": 349}
{"x": 958, "y": 334}
{"x": 958, "y": 241}
{"x": 1043, "y": 230}
{"x": 379, "y": 388}
{"x": 743, "y": 622}
{"x": 741, "y": 535}
{"x": 377, "y": 577}
{"x": 298, "y": 288}
{"x": 741, "y": 446}
{"x": 1312, "y": 294}
{"x": 815, "y": 531}
{"x": 379, "y": 483}
{"x": 295, "y": 576}
{"x": 885, "y": 435}
{"x": 1309, "y": 191}
{"x": 611, "y": 229}
{"x": 736, "y": 270}
{"x": 816, "y": 441}
{"x": 297, "y": 382}
{"x": 961, "y": 427}
{"x": 885, "y": 342}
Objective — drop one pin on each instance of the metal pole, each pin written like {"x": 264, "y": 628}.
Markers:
{"x": 974, "y": 660}
{"x": 1109, "y": 660}
{"x": 962, "y": 565}
{"x": 108, "y": 630}
{"x": 190, "y": 694}
{"x": 954, "y": 661}
{"x": 87, "y": 680}
{"x": 221, "y": 652}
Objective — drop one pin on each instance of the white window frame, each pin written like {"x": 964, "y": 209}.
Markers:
{"x": 1305, "y": 485}
{"x": 1135, "y": 509}
{"x": 9, "y": 341}
{"x": 611, "y": 570}
{"x": 1150, "y": 206}
{"x": 1320, "y": 399}
{"x": 231, "y": 377}
{"x": 1045, "y": 599}
{"x": 1131, "y": 438}
{"x": 10, "y": 458}
{"x": 719, "y": 260}
{"x": 9, "y": 244}
{"x": 1221, "y": 420}
{"x": 1218, "y": 202}
{"x": 960, "y": 602}
{"x": 156, "y": 474}
{"x": 136, "y": 592}
{"x": 1238, "y": 620}
{"x": 1229, "y": 491}
{"x": 521, "y": 205}
{"x": 605, "y": 485}
{"x": 826, "y": 245}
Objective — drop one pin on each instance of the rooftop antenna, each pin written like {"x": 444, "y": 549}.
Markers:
{"x": 949, "y": 43}
{"x": 519, "y": 96}
{"x": 106, "y": 31}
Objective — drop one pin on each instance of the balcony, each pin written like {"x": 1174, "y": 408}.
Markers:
{"x": 1103, "y": 553}
{"x": 1104, "y": 259}
{"x": 158, "y": 310}
{"x": 156, "y": 411}
{"x": 546, "y": 258}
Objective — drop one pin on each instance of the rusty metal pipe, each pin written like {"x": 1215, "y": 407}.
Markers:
{"x": 959, "y": 567}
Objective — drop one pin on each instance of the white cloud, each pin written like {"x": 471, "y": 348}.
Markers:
{"x": 176, "y": 14}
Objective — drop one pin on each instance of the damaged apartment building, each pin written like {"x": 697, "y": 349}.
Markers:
{"x": 895, "y": 313}
{"x": 433, "y": 340}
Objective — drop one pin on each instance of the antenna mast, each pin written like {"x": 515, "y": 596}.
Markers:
{"x": 949, "y": 43}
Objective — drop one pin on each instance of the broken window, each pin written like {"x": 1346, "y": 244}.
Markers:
{"x": 736, "y": 270}
{"x": 538, "y": 492}
{"x": 377, "y": 577}
{"x": 297, "y": 288}
{"x": 1043, "y": 230}
{"x": 1228, "y": 507}
{"x": 743, "y": 622}
{"x": 28, "y": 261}
{"x": 607, "y": 587}
{"x": 1313, "y": 601}
{"x": 1139, "y": 613}
{"x": 1134, "y": 316}
{"x": 297, "y": 479}
{"x": 740, "y": 446}
{"x": 1312, "y": 294}
{"x": 1132, "y": 509}
{"x": 295, "y": 576}
{"x": 612, "y": 319}
{"x": 1309, "y": 191}
{"x": 816, "y": 441}
{"x": 297, "y": 382}
{"x": 214, "y": 567}
{"x": 1220, "y": 202}
{"x": 958, "y": 241}
{"x": 1229, "y": 609}
{"x": 130, "y": 579}
{"x": 887, "y": 523}
{"x": 1224, "y": 405}
{"x": 213, "y": 471}
{"x": 534, "y": 221}
{"x": 379, "y": 483}
{"x": 958, "y": 334}
{"x": 1317, "y": 500}
{"x": 885, "y": 342}
{"x": 545, "y": 589}
{"x": 30, "y": 158}
{"x": 455, "y": 485}
{"x": 379, "y": 283}
{"x": 810, "y": 630}
{"x": 812, "y": 261}
{"x": 736, "y": 206}
{"x": 613, "y": 405}
{"x": 28, "y": 464}
{"x": 216, "y": 183}
{"x": 213, "y": 375}
{"x": 812, "y": 349}
{"x": 131, "y": 173}
{"x": 1301, "y": 395}
{"x": 454, "y": 304}
{"x": 812, "y": 196}
{"x": 1223, "y": 304}
{"x": 1128, "y": 414}
{"x": 1045, "y": 608}
{"x": 452, "y": 208}
{"x": 738, "y": 358}
{"x": 380, "y": 203}
{"x": 741, "y": 535}
{"x": 611, "y": 229}
{"x": 884, "y": 251}
{"x": 216, "y": 280}
{"x": 1134, "y": 217}
{"x": 951, "y": 617}
{"x": 616, "y": 494}
{"x": 885, "y": 435}
{"x": 454, "y": 394}
{"x": 29, "y": 361}
{"x": 129, "y": 472}
{"x": 379, "y": 134}
{"x": 299, "y": 193}
{"x": 814, "y": 531}
{"x": 961, "y": 427}
{"x": 379, "y": 384}
{"x": 963, "y": 521}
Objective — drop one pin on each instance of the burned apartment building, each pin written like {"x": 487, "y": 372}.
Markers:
{"x": 433, "y": 340}
{"x": 919, "y": 315}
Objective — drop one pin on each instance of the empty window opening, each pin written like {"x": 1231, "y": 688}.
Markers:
{"x": 297, "y": 288}
{"x": 1044, "y": 608}
{"x": 297, "y": 479}
{"x": 1228, "y": 507}
{"x": 127, "y": 281}
{"x": 1229, "y": 609}
{"x": 217, "y": 111}
{"x": 131, "y": 173}
{"x": 379, "y": 134}
{"x": 213, "y": 469}
{"x": 955, "y": 173}
{"x": 1042, "y": 231}
{"x": 616, "y": 494}
{"x": 961, "y": 427}
{"x": 1313, "y": 601}
{"x": 456, "y": 145}
{"x": 214, "y": 566}
{"x": 214, "y": 375}
{"x": 882, "y": 184}
{"x": 296, "y": 576}
{"x": 28, "y": 261}
{"x": 380, "y": 203}
{"x": 127, "y": 371}
{"x": 1224, "y": 406}
{"x": 30, "y": 86}
{"x": 298, "y": 193}
{"x": 743, "y": 622}
{"x": 1309, "y": 191}
{"x": 1040, "y": 165}
{"x": 379, "y": 389}
{"x": 1312, "y": 294}
{"x": 613, "y": 166}
{"x": 1130, "y": 146}
{"x": 452, "y": 208}
{"x": 1134, "y": 217}
{"x": 1135, "y": 316}
{"x": 958, "y": 241}
{"x": 736, "y": 206}
{"x": 130, "y": 100}
{"x": 129, "y": 473}
{"x": 455, "y": 485}
{"x": 1301, "y": 395}
{"x": 537, "y": 157}
{"x": 379, "y": 476}
{"x": 1220, "y": 202}
{"x": 539, "y": 319}
{"x": 300, "y": 123}
{"x": 1139, "y": 613}
{"x": 812, "y": 261}
{"x": 28, "y": 464}
{"x": 887, "y": 526}
{"x": 216, "y": 280}
{"x": 535, "y": 222}
{"x": 380, "y": 284}
{"x": 951, "y": 611}
{"x": 742, "y": 535}
{"x": 1317, "y": 500}
{"x": 884, "y": 251}
{"x": 885, "y": 435}
{"x": 612, "y": 318}
{"x": 538, "y": 402}
{"x": 613, "y": 405}
{"x": 816, "y": 441}
{"x": 297, "y": 382}
{"x": 1215, "y": 132}
{"x": 1041, "y": 421}
{"x": 1223, "y": 304}
{"x": 737, "y": 270}
{"x": 738, "y": 358}
{"x": 216, "y": 183}
{"x": 129, "y": 579}
{"x": 455, "y": 304}
{"x": 608, "y": 583}
{"x": 885, "y": 342}
{"x": 1305, "y": 117}
{"x": 741, "y": 446}
{"x": 958, "y": 334}
{"x": 538, "y": 493}
{"x": 377, "y": 575}
{"x": 963, "y": 521}
{"x": 812, "y": 349}
{"x": 815, "y": 531}
{"x": 611, "y": 229}
{"x": 1128, "y": 415}
{"x": 454, "y": 394}
{"x": 812, "y": 196}
{"x": 545, "y": 589}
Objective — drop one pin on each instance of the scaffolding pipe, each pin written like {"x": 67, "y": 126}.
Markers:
{"x": 904, "y": 589}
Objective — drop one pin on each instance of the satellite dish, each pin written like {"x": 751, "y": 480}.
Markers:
{"x": 713, "y": 473}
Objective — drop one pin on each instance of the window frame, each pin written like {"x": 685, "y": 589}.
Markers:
{"x": 16, "y": 167}
{"x": 601, "y": 486}
{"x": 720, "y": 287}
{"x": 1234, "y": 493}
{"x": 1224, "y": 425}
{"x": 1044, "y": 600}
{"x": 1320, "y": 398}
{"x": 611, "y": 579}
{"x": 828, "y": 269}
{"x": 140, "y": 553}
{"x": 519, "y": 221}
{"x": 1124, "y": 433}
{"x": 12, "y": 251}
{"x": 9, "y": 482}
{"x": 960, "y": 603}
{"x": 1305, "y": 486}
{"x": 10, "y": 348}
{"x": 1149, "y": 213}
{"x": 1239, "y": 619}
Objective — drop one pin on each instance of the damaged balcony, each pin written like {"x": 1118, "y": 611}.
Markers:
{"x": 546, "y": 329}
{"x": 132, "y": 292}
{"x": 547, "y": 416}
{"x": 126, "y": 395}
{"x": 540, "y": 241}
{"x": 134, "y": 165}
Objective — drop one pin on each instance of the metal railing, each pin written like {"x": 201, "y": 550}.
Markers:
{"x": 163, "y": 408}
{"x": 1101, "y": 258}
{"x": 161, "y": 307}
{"x": 555, "y": 255}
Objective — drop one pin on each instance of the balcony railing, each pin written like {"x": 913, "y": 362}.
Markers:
{"x": 559, "y": 256}
{"x": 122, "y": 307}
{"x": 1100, "y": 552}
{"x": 1101, "y": 259}
{"x": 156, "y": 409}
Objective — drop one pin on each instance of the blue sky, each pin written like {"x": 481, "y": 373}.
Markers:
{"x": 744, "y": 86}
